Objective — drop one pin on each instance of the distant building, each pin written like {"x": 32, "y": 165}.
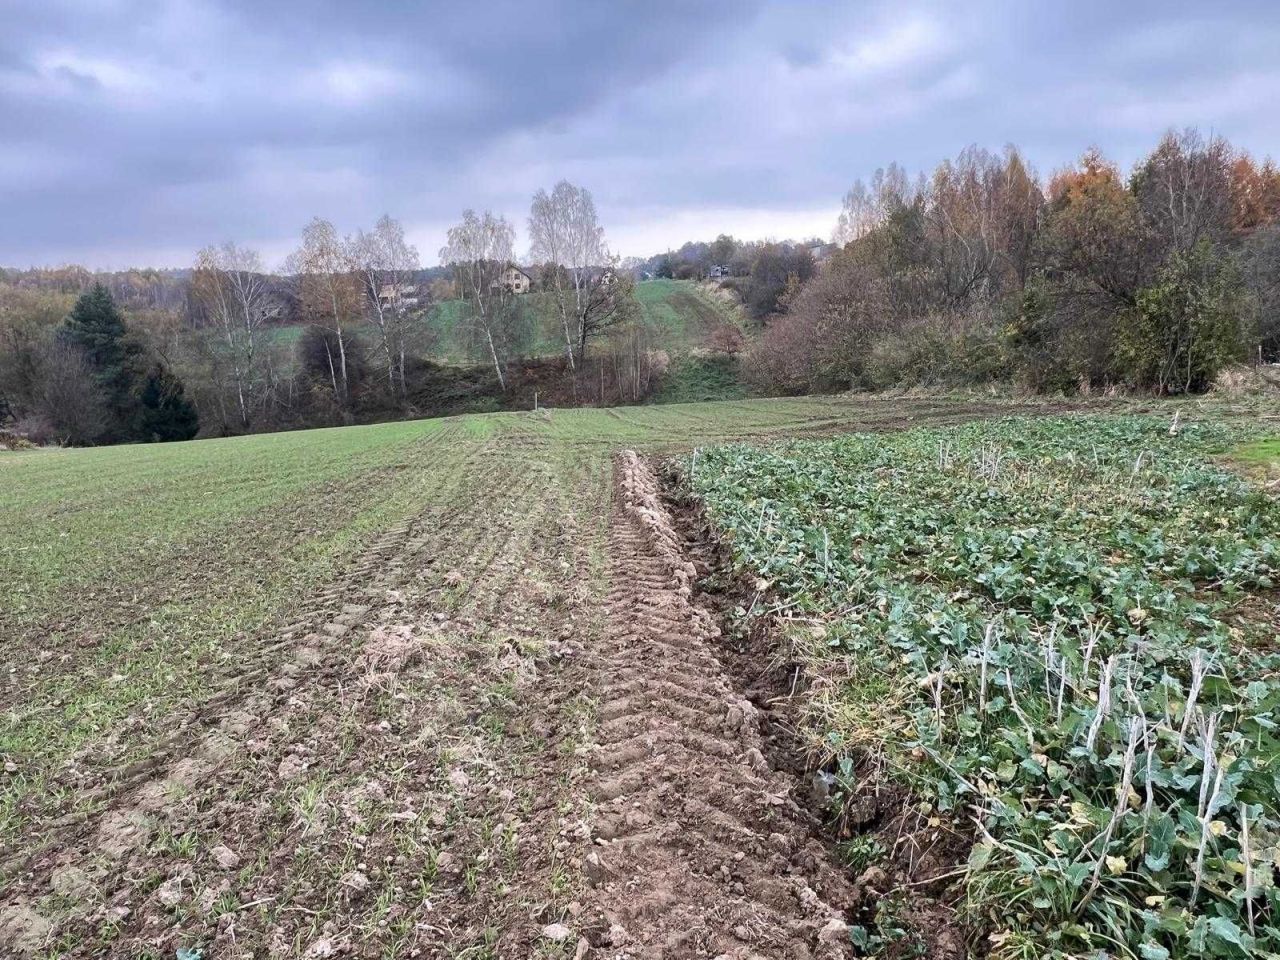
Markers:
{"x": 822, "y": 251}
{"x": 718, "y": 271}
{"x": 515, "y": 280}
{"x": 403, "y": 294}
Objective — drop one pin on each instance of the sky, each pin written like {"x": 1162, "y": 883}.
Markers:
{"x": 134, "y": 132}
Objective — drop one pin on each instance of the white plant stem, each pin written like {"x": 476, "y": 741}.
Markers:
{"x": 1122, "y": 798}
{"x": 1205, "y": 832}
{"x": 1013, "y": 702}
{"x": 1104, "y": 703}
{"x": 1246, "y": 853}
{"x": 1198, "y": 669}
{"x": 986, "y": 656}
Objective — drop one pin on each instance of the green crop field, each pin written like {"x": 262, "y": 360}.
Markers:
{"x": 1060, "y": 632}
{"x": 364, "y": 691}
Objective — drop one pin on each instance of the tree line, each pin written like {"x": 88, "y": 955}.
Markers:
{"x": 1156, "y": 280}
{"x": 83, "y": 376}
{"x": 980, "y": 271}
{"x": 222, "y": 340}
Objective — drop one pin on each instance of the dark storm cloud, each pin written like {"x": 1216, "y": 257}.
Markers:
{"x": 137, "y": 130}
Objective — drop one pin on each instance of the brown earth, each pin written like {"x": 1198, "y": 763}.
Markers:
{"x": 506, "y": 729}
{"x": 702, "y": 847}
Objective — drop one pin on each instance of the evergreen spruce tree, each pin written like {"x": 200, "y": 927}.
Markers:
{"x": 144, "y": 402}
{"x": 97, "y": 328}
{"x": 167, "y": 414}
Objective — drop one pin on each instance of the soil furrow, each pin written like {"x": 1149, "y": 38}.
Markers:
{"x": 701, "y": 850}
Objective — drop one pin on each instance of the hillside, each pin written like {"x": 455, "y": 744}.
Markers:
{"x": 679, "y": 312}
{"x": 452, "y": 686}
{"x": 680, "y": 318}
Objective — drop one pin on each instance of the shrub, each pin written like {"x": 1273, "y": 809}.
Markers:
{"x": 783, "y": 358}
{"x": 944, "y": 349}
{"x": 1187, "y": 326}
{"x": 1059, "y": 338}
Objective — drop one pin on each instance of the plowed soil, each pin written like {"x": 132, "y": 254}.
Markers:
{"x": 499, "y": 728}
{"x": 703, "y": 848}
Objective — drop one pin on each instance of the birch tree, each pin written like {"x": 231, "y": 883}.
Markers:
{"x": 866, "y": 207}
{"x": 1184, "y": 190}
{"x": 386, "y": 266}
{"x": 478, "y": 251}
{"x": 328, "y": 293}
{"x": 232, "y": 292}
{"x": 565, "y": 234}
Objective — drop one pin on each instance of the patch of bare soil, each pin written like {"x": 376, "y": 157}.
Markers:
{"x": 1255, "y": 621}
{"x": 394, "y": 775}
{"x": 902, "y": 858}
{"x": 702, "y": 849}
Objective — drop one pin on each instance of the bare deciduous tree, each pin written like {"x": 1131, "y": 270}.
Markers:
{"x": 1184, "y": 189}
{"x": 387, "y": 265}
{"x": 70, "y": 404}
{"x": 565, "y": 235}
{"x": 232, "y": 293}
{"x": 478, "y": 251}
{"x": 866, "y": 207}
{"x": 328, "y": 293}
{"x": 982, "y": 211}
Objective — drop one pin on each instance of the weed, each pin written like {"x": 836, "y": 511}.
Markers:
{"x": 860, "y": 852}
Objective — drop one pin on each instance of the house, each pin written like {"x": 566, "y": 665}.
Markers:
{"x": 515, "y": 280}
{"x": 401, "y": 294}
{"x": 718, "y": 271}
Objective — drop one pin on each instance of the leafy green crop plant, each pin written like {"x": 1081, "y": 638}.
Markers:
{"x": 1049, "y": 627}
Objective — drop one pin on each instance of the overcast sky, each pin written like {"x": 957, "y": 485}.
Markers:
{"x": 133, "y": 132}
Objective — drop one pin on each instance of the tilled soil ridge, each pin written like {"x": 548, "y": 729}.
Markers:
{"x": 701, "y": 849}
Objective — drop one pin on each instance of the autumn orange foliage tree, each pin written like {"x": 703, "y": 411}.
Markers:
{"x": 1155, "y": 280}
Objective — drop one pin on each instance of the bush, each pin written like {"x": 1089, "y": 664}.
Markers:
{"x": 956, "y": 350}
{"x": 1060, "y": 339}
{"x": 1260, "y": 260}
{"x": 1187, "y": 326}
{"x": 822, "y": 342}
{"x": 781, "y": 361}
{"x": 70, "y": 407}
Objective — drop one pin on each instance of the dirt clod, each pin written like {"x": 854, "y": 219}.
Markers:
{"x": 556, "y": 932}
{"x": 71, "y": 882}
{"x": 225, "y": 857}
{"x": 170, "y": 893}
{"x": 23, "y": 932}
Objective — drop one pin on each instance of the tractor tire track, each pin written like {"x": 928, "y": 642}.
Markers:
{"x": 701, "y": 849}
